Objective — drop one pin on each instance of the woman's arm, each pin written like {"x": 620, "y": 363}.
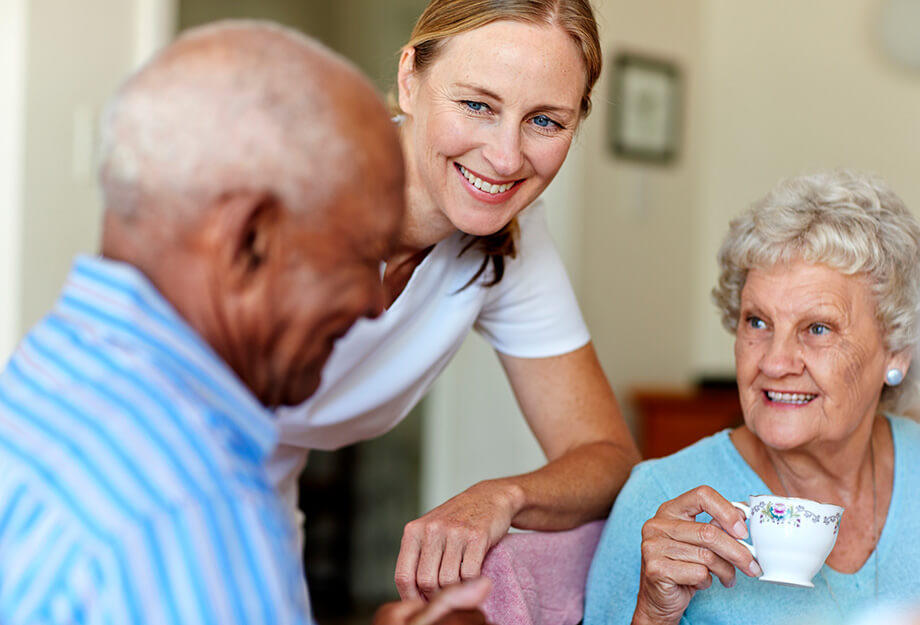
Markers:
{"x": 571, "y": 409}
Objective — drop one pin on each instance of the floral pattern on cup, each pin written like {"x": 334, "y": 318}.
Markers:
{"x": 779, "y": 513}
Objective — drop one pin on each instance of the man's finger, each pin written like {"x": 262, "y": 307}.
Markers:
{"x": 463, "y": 596}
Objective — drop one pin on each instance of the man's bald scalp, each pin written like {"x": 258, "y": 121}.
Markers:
{"x": 235, "y": 105}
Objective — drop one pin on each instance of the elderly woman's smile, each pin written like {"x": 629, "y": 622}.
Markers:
{"x": 809, "y": 353}
{"x": 820, "y": 284}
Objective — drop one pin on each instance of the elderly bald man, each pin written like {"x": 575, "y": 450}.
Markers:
{"x": 253, "y": 183}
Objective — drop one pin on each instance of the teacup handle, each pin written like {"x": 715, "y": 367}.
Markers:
{"x": 746, "y": 509}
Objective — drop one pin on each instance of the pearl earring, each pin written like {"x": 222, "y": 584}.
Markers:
{"x": 894, "y": 376}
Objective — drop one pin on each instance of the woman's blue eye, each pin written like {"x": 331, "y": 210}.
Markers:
{"x": 474, "y": 106}
{"x": 819, "y": 329}
{"x": 543, "y": 121}
{"x": 757, "y": 323}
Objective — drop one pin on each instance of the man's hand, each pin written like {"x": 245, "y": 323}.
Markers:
{"x": 457, "y": 605}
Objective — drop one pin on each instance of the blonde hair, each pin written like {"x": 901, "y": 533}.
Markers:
{"x": 443, "y": 19}
{"x": 851, "y": 222}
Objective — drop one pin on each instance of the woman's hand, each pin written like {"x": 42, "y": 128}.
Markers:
{"x": 449, "y": 543}
{"x": 679, "y": 555}
{"x": 457, "y": 605}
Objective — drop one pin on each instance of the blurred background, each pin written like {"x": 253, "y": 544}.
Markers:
{"x": 755, "y": 92}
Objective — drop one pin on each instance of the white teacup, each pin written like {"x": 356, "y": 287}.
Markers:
{"x": 792, "y": 537}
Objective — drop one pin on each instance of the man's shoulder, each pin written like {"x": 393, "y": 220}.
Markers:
{"x": 121, "y": 443}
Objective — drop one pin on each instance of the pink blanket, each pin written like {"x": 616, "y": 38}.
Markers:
{"x": 538, "y": 578}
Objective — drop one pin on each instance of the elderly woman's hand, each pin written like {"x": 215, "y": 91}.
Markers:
{"x": 679, "y": 554}
{"x": 449, "y": 543}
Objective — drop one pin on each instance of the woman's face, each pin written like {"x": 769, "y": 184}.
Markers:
{"x": 810, "y": 354}
{"x": 489, "y": 122}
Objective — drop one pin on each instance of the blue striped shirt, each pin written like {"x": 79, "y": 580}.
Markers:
{"x": 132, "y": 480}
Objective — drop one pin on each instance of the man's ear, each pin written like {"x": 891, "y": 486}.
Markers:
{"x": 406, "y": 80}
{"x": 246, "y": 232}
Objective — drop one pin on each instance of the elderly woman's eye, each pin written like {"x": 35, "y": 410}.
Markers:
{"x": 757, "y": 323}
{"x": 818, "y": 329}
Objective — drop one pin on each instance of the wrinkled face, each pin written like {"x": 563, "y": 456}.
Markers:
{"x": 329, "y": 276}
{"x": 810, "y": 354}
{"x": 490, "y": 121}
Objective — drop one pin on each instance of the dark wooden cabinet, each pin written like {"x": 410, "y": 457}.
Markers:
{"x": 672, "y": 418}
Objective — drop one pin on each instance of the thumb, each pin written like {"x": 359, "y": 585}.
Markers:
{"x": 462, "y": 596}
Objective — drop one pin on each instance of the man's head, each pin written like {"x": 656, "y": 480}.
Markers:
{"x": 257, "y": 180}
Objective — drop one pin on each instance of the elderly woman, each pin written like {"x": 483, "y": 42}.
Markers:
{"x": 820, "y": 283}
{"x": 491, "y": 95}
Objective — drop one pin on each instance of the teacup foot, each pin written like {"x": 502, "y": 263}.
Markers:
{"x": 786, "y": 582}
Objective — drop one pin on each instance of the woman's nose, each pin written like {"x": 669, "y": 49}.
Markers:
{"x": 783, "y": 357}
{"x": 503, "y": 150}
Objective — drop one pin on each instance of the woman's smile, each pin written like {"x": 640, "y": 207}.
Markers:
{"x": 487, "y": 189}
{"x": 788, "y": 398}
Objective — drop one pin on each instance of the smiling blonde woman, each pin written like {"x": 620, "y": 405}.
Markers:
{"x": 492, "y": 93}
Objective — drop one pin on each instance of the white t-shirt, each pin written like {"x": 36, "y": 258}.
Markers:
{"x": 382, "y": 367}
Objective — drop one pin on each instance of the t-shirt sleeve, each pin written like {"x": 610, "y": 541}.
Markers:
{"x": 613, "y": 580}
{"x": 532, "y": 312}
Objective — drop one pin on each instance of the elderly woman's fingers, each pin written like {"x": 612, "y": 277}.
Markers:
{"x": 703, "y": 543}
{"x": 704, "y": 499}
{"x": 665, "y": 548}
{"x": 407, "y": 565}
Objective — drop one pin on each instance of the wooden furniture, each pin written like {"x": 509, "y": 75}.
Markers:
{"x": 672, "y": 418}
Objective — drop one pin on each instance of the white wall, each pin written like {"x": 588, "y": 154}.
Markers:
{"x": 13, "y": 21}
{"x": 792, "y": 86}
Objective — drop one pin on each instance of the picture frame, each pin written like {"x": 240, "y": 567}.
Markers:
{"x": 644, "y": 111}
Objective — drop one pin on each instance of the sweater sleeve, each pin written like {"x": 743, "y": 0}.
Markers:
{"x": 613, "y": 580}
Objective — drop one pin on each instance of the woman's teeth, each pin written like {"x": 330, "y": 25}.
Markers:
{"x": 479, "y": 183}
{"x": 790, "y": 398}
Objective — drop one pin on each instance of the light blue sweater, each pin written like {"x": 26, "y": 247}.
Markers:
{"x": 614, "y": 577}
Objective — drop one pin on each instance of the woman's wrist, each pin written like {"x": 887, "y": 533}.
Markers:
{"x": 643, "y": 615}
{"x": 508, "y": 494}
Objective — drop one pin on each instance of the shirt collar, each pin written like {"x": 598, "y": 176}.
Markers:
{"x": 112, "y": 297}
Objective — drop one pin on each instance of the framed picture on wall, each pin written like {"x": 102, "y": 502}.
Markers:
{"x": 644, "y": 109}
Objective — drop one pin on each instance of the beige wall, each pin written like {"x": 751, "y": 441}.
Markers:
{"x": 792, "y": 86}
{"x": 638, "y": 267}
{"x": 13, "y": 23}
{"x": 76, "y": 55}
